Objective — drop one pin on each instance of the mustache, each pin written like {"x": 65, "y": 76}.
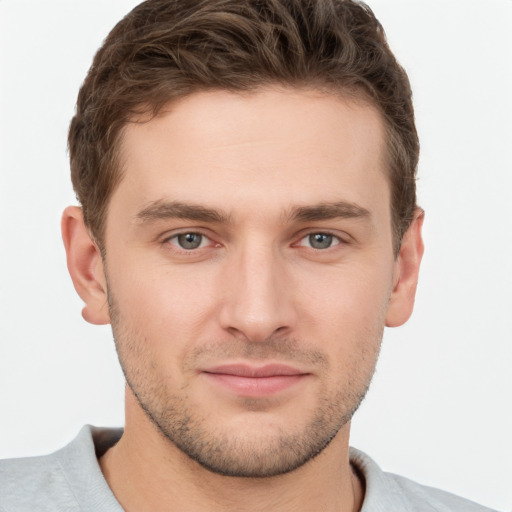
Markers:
{"x": 289, "y": 350}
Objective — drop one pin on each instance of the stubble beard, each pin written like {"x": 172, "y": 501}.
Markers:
{"x": 239, "y": 454}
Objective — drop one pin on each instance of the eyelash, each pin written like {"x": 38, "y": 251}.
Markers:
{"x": 336, "y": 241}
{"x": 204, "y": 238}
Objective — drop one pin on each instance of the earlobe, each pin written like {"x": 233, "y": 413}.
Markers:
{"x": 406, "y": 273}
{"x": 85, "y": 266}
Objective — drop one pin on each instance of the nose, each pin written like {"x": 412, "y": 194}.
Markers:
{"x": 258, "y": 295}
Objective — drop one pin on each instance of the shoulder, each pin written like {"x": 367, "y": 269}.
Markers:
{"x": 436, "y": 499}
{"x": 21, "y": 480}
{"x": 61, "y": 481}
{"x": 387, "y": 491}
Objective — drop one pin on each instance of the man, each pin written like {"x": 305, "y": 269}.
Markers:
{"x": 248, "y": 227}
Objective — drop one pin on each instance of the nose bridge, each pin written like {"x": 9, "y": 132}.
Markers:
{"x": 258, "y": 302}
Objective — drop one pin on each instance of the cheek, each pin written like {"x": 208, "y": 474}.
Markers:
{"x": 351, "y": 295}
{"x": 345, "y": 312}
{"x": 161, "y": 303}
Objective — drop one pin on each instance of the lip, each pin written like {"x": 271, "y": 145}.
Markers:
{"x": 255, "y": 381}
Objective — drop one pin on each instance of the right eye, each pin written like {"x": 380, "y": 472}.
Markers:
{"x": 189, "y": 241}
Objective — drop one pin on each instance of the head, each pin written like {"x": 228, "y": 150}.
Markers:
{"x": 246, "y": 173}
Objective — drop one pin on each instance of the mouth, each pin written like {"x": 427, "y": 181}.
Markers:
{"x": 255, "y": 381}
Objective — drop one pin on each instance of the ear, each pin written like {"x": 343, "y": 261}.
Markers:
{"x": 85, "y": 266}
{"x": 405, "y": 275}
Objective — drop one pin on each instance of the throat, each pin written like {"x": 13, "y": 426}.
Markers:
{"x": 149, "y": 473}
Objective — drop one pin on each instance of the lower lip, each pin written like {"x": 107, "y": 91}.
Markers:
{"x": 255, "y": 386}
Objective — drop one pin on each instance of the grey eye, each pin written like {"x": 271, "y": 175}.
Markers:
{"x": 189, "y": 240}
{"x": 320, "y": 240}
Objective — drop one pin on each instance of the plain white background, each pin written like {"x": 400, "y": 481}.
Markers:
{"x": 439, "y": 410}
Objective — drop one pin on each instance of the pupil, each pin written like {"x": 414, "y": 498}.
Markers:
{"x": 320, "y": 240}
{"x": 189, "y": 240}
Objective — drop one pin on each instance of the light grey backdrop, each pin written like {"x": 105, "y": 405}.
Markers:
{"x": 439, "y": 410}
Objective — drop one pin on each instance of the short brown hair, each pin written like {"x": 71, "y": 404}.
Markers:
{"x": 167, "y": 49}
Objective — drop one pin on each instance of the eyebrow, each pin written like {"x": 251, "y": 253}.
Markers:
{"x": 325, "y": 211}
{"x": 161, "y": 210}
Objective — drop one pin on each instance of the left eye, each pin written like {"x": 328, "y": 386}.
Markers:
{"x": 189, "y": 241}
{"x": 320, "y": 240}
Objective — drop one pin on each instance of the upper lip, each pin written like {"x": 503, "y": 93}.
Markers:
{"x": 247, "y": 370}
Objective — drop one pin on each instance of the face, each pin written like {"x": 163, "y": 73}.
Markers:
{"x": 250, "y": 266}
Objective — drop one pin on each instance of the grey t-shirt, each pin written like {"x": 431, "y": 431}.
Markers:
{"x": 70, "y": 480}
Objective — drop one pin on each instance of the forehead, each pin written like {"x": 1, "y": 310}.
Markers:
{"x": 268, "y": 148}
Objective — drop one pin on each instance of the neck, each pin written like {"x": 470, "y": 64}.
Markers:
{"x": 146, "y": 472}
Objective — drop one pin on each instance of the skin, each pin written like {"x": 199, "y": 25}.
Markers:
{"x": 287, "y": 194}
